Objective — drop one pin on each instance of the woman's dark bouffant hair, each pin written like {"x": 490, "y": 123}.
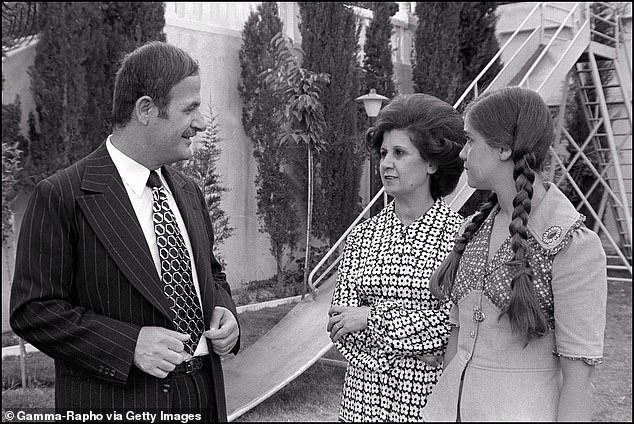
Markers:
{"x": 518, "y": 119}
{"x": 434, "y": 127}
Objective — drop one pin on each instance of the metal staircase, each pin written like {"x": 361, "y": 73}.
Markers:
{"x": 605, "y": 96}
{"x": 554, "y": 43}
{"x": 608, "y": 115}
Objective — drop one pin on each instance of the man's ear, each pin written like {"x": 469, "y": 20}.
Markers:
{"x": 144, "y": 109}
{"x": 504, "y": 153}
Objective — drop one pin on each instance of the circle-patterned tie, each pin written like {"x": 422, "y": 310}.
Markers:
{"x": 176, "y": 273}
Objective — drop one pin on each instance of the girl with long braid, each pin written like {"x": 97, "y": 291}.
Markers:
{"x": 526, "y": 280}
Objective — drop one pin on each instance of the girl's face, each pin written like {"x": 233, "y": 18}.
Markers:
{"x": 481, "y": 161}
{"x": 403, "y": 171}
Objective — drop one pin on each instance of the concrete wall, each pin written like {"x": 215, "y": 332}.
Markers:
{"x": 17, "y": 80}
{"x": 215, "y": 46}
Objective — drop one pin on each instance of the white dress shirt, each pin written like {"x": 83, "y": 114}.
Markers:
{"x": 135, "y": 176}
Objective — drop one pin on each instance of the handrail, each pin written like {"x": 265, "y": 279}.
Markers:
{"x": 563, "y": 56}
{"x": 552, "y": 40}
{"x": 342, "y": 238}
{"x": 497, "y": 55}
{"x": 330, "y": 267}
{"x": 555, "y": 6}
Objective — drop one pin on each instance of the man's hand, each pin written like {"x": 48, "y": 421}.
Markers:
{"x": 346, "y": 319}
{"x": 158, "y": 350}
{"x": 223, "y": 331}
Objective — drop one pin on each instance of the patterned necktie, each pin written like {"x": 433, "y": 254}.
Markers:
{"x": 176, "y": 271}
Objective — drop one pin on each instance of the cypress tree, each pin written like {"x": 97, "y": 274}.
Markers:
{"x": 330, "y": 37}
{"x": 478, "y": 43}
{"x": 73, "y": 75}
{"x": 436, "y": 66}
{"x": 274, "y": 200}
{"x": 59, "y": 85}
{"x": 453, "y": 43}
{"x": 119, "y": 28}
{"x": 478, "y": 46}
{"x": 378, "y": 70}
{"x": 275, "y": 191}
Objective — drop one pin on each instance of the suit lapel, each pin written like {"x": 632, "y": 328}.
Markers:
{"x": 109, "y": 212}
{"x": 189, "y": 206}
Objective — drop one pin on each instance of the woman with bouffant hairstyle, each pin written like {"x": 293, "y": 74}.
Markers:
{"x": 383, "y": 318}
{"x": 526, "y": 278}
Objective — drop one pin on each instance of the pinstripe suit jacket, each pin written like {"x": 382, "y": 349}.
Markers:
{"x": 85, "y": 284}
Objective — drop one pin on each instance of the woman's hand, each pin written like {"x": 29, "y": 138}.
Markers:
{"x": 346, "y": 319}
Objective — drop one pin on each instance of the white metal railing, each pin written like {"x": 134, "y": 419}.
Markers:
{"x": 550, "y": 43}
{"x": 230, "y": 15}
{"x": 474, "y": 84}
{"x": 338, "y": 243}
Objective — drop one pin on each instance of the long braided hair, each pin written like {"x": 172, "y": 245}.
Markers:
{"x": 518, "y": 119}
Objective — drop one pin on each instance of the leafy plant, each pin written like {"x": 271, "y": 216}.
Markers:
{"x": 301, "y": 121}
{"x": 11, "y": 155}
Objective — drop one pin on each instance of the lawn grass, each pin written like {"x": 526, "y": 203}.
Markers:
{"x": 315, "y": 395}
{"x": 317, "y": 391}
{"x": 612, "y": 380}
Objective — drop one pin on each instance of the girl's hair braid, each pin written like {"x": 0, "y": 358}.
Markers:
{"x": 442, "y": 279}
{"x": 524, "y": 311}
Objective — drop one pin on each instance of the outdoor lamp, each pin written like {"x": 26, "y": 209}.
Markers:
{"x": 372, "y": 103}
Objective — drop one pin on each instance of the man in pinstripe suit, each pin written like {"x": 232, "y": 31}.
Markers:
{"x": 88, "y": 288}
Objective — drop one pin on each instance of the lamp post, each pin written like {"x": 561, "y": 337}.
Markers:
{"x": 372, "y": 103}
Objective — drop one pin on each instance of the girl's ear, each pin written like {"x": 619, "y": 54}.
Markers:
{"x": 504, "y": 153}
